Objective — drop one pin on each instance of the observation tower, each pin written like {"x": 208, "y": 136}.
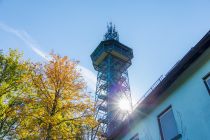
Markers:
{"x": 111, "y": 59}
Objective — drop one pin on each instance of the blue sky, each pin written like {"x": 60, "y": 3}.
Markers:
{"x": 159, "y": 32}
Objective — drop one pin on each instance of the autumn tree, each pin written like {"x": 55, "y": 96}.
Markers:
{"x": 57, "y": 107}
{"x": 13, "y": 83}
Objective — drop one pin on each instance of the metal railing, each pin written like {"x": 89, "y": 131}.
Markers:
{"x": 155, "y": 85}
{"x": 150, "y": 90}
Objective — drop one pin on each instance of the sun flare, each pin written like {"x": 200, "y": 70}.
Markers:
{"x": 124, "y": 105}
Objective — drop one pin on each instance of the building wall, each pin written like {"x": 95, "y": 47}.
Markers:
{"x": 190, "y": 102}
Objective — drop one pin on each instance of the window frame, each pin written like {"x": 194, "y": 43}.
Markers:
{"x": 135, "y": 136}
{"x": 205, "y": 81}
{"x": 159, "y": 123}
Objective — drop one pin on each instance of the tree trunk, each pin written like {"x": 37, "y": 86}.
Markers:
{"x": 49, "y": 132}
{"x": 52, "y": 113}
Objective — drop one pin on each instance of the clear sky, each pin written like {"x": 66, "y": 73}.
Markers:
{"x": 159, "y": 32}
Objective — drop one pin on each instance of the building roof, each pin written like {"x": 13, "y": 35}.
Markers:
{"x": 149, "y": 102}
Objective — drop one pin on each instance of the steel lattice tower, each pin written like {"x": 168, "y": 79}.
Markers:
{"x": 111, "y": 59}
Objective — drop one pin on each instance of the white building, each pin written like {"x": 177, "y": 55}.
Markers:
{"x": 178, "y": 108}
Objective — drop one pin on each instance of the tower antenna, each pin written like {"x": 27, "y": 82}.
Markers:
{"x": 111, "y": 33}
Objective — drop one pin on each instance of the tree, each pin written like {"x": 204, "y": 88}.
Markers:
{"x": 13, "y": 75}
{"x": 57, "y": 107}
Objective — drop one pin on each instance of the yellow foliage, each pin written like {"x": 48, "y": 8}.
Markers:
{"x": 14, "y": 73}
{"x": 57, "y": 107}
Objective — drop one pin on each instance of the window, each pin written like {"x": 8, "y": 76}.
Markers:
{"x": 135, "y": 137}
{"x": 206, "y": 80}
{"x": 167, "y": 125}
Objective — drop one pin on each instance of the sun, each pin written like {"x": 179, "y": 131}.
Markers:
{"x": 124, "y": 105}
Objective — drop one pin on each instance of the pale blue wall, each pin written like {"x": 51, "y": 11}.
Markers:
{"x": 190, "y": 103}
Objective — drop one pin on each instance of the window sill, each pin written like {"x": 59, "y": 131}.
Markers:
{"x": 177, "y": 137}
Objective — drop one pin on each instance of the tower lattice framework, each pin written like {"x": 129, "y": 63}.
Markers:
{"x": 111, "y": 59}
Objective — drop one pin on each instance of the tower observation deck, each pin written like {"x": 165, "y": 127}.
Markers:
{"x": 111, "y": 59}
